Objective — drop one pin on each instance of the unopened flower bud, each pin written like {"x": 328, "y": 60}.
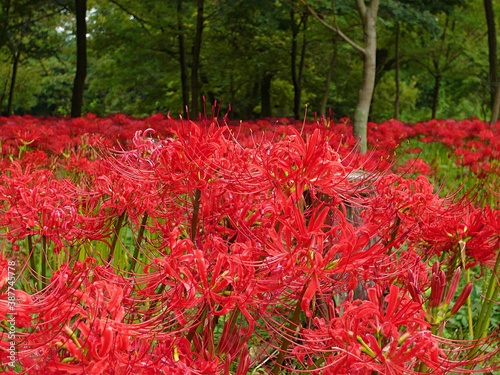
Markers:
{"x": 437, "y": 288}
{"x": 453, "y": 286}
{"x": 462, "y": 298}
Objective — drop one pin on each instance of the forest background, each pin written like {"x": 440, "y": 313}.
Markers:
{"x": 263, "y": 58}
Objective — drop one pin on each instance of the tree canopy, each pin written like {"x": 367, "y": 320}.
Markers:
{"x": 262, "y": 58}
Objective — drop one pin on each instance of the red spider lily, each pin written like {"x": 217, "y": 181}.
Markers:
{"x": 250, "y": 249}
{"x": 4, "y": 271}
{"x": 414, "y": 166}
{"x": 462, "y": 224}
{"x": 90, "y": 334}
{"x": 118, "y": 194}
{"x": 438, "y": 306}
{"x": 35, "y": 203}
{"x": 387, "y": 337}
{"x": 398, "y": 207}
{"x": 304, "y": 165}
{"x": 491, "y": 220}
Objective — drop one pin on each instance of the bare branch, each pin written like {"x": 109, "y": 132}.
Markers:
{"x": 335, "y": 29}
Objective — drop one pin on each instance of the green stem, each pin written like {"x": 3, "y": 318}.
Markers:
{"x": 73, "y": 336}
{"x": 196, "y": 327}
{"x": 483, "y": 321}
{"x": 365, "y": 348}
{"x": 234, "y": 317}
{"x": 31, "y": 255}
{"x": 118, "y": 226}
{"x": 422, "y": 368}
{"x": 140, "y": 237}
{"x": 155, "y": 302}
{"x": 43, "y": 261}
{"x": 196, "y": 213}
{"x": 292, "y": 326}
{"x": 469, "y": 306}
{"x": 394, "y": 232}
{"x": 317, "y": 364}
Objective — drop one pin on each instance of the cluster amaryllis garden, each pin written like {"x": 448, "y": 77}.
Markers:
{"x": 160, "y": 246}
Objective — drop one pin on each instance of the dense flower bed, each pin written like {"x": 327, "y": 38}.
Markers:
{"x": 159, "y": 246}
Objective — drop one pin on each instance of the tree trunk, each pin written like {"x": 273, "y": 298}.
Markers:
{"x": 182, "y": 59}
{"x": 209, "y": 93}
{"x": 492, "y": 50}
{"x": 396, "y": 73}
{"x": 495, "y": 112}
{"x": 265, "y": 95}
{"x": 232, "y": 89}
{"x": 297, "y": 74}
{"x": 195, "y": 82}
{"x": 2, "y": 97}
{"x": 302, "y": 62}
{"x": 437, "y": 72}
{"x": 5, "y": 22}
{"x": 369, "y": 17}
{"x": 328, "y": 84}
{"x": 368, "y": 14}
{"x": 253, "y": 99}
{"x": 435, "y": 95}
{"x": 81, "y": 58}
{"x": 15, "y": 65}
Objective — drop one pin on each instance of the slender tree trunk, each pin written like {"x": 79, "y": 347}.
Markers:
{"x": 182, "y": 59}
{"x": 302, "y": 62}
{"x": 81, "y": 58}
{"x": 265, "y": 92}
{"x": 195, "y": 82}
{"x": 293, "y": 65}
{"x": 328, "y": 84}
{"x": 2, "y": 97}
{"x": 368, "y": 14}
{"x": 209, "y": 93}
{"x": 437, "y": 72}
{"x": 435, "y": 94}
{"x": 492, "y": 50}
{"x": 396, "y": 72}
{"x": 15, "y": 66}
{"x": 297, "y": 74}
{"x": 495, "y": 112}
{"x": 253, "y": 99}
{"x": 232, "y": 89}
{"x": 5, "y": 23}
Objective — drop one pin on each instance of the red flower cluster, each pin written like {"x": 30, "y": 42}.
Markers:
{"x": 213, "y": 249}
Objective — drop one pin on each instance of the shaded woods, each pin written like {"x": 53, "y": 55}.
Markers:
{"x": 263, "y": 58}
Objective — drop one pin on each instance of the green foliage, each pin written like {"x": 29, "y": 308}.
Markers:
{"x": 383, "y": 103}
{"x": 413, "y": 17}
{"x": 134, "y": 64}
{"x": 433, "y": 6}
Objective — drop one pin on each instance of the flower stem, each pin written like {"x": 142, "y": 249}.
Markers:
{"x": 118, "y": 226}
{"x": 483, "y": 321}
{"x": 43, "y": 261}
{"x": 292, "y": 326}
{"x": 140, "y": 237}
{"x": 469, "y": 307}
{"x": 196, "y": 213}
{"x": 33, "y": 265}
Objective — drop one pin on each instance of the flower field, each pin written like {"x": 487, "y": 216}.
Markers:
{"x": 161, "y": 246}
